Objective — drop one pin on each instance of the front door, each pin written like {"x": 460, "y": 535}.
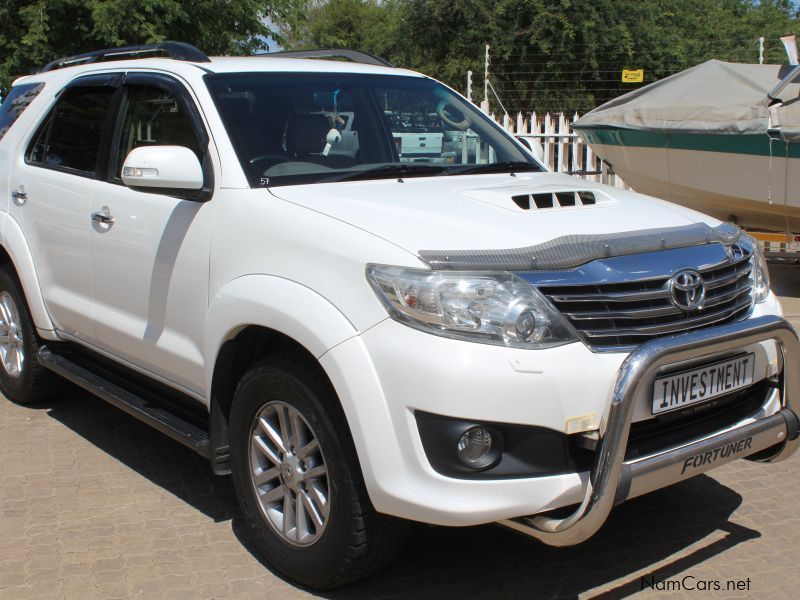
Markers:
{"x": 150, "y": 257}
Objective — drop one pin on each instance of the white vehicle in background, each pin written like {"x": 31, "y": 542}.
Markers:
{"x": 363, "y": 341}
{"x": 417, "y": 137}
{"x": 414, "y": 146}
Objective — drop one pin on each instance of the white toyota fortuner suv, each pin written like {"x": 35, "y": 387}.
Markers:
{"x": 362, "y": 337}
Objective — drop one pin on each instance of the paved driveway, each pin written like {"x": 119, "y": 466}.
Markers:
{"x": 95, "y": 505}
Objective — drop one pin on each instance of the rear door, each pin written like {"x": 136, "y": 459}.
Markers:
{"x": 54, "y": 181}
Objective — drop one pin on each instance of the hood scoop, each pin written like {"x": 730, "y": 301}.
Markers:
{"x": 555, "y": 200}
{"x": 533, "y": 199}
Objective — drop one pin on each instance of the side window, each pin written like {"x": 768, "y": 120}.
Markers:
{"x": 70, "y": 137}
{"x": 153, "y": 117}
{"x": 17, "y": 101}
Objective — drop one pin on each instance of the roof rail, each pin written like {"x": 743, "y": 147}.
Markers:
{"x": 354, "y": 55}
{"x": 174, "y": 50}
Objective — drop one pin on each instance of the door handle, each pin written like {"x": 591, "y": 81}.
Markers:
{"x": 19, "y": 197}
{"x": 103, "y": 219}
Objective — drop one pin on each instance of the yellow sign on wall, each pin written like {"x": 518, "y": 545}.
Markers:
{"x": 632, "y": 76}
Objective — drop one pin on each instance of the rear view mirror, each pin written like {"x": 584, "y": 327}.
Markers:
{"x": 163, "y": 167}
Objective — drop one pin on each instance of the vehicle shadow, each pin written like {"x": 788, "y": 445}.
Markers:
{"x": 152, "y": 455}
{"x": 656, "y": 536}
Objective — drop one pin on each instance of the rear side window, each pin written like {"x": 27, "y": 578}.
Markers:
{"x": 15, "y": 104}
{"x": 70, "y": 137}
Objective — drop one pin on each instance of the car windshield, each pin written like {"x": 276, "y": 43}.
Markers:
{"x": 294, "y": 128}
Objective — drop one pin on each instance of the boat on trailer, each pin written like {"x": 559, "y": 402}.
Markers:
{"x": 721, "y": 138}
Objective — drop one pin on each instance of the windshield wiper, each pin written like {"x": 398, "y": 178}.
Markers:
{"x": 506, "y": 166}
{"x": 393, "y": 170}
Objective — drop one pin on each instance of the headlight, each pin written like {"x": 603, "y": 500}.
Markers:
{"x": 493, "y": 308}
{"x": 760, "y": 276}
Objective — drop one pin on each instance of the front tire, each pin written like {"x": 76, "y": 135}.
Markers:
{"x": 22, "y": 379}
{"x": 298, "y": 480}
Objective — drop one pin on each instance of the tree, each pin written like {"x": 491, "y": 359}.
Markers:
{"x": 546, "y": 54}
{"x": 568, "y": 55}
{"x": 34, "y": 32}
{"x": 362, "y": 24}
{"x": 551, "y": 54}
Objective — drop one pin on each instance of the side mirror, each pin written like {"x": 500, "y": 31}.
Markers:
{"x": 167, "y": 168}
{"x": 532, "y": 146}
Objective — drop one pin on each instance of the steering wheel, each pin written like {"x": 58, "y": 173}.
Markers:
{"x": 268, "y": 159}
{"x": 461, "y": 125}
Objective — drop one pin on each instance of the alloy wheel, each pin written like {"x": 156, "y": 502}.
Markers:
{"x": 12, "y": 349}
{"x": 288, "y": 473}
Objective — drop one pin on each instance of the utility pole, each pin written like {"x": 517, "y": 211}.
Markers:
{"x": 761, "y": 50}
{"x": 469, "y": 86}
{"x": 485, "y": 103}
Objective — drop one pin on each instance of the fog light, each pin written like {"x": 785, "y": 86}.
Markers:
{"x": 475, "y": 448}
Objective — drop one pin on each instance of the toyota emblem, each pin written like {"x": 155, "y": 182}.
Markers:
{"x": 687, "y": 290}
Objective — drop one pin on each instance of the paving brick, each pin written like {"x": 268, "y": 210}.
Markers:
{"x": 217, "y": 590}
{"x": 15, "y": 578}
{"x": 114, "y": 591}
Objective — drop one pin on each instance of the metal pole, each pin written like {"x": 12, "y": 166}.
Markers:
{"x": 469, "y": 86}
{"x": 486, "y": 75}
{"x": 761, "y": 50}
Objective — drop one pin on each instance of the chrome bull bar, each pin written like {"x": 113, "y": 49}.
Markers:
{"x": 612, "y": 480}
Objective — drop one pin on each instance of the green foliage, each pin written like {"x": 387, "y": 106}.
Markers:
{"x": 361, "y": 24}
{"x": 545, "y": 54}
{"x": 34, "y": 32}
{"x": 551, "y": 54}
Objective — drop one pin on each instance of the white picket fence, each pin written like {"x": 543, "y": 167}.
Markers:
{"x": 559, "y": 148}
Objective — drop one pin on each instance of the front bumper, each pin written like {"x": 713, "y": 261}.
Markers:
{"x": 389, "y": 373}
{"x": 612, "y": 479}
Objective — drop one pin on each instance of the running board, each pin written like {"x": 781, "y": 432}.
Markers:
{"x": 146, "y": 411}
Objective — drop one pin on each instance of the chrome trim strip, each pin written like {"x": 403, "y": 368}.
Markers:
{"x": 727, "y": 279}
{"x": 672, "y": 327}
{"x": 611, "y": 296}
{"x": 573, "y": 250}
{"x": 635, "y": 379}
{"x": 726, "y": 297}
{"x": 634, "y": 313}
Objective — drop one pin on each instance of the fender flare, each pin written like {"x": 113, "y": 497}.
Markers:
{"x": 16, "y": 246}
{"x": 277, "y": 303}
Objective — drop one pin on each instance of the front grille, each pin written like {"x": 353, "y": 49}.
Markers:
{"x": 623, "y": 315}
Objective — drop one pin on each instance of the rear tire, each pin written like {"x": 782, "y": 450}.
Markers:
{"x": 22, "y": 379}
{"x": 281, "y": 470}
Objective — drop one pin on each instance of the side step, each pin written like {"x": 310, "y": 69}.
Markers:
{"x": 146, "y": 411}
